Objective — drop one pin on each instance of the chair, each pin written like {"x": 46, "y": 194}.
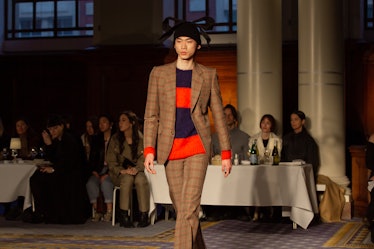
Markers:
{"x": 115, "y": 205}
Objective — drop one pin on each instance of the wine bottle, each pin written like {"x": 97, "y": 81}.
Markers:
{"x": 275, "y": 154}
{"x": 236, "y": 159}
{"x": 253, "y": 158}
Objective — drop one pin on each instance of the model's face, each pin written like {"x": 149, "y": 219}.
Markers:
{"x": 56, "y": 131}
{"x": 297, "y": 123}
{"x": 265, "y": 125}
{"x": 230, "y": 120}
{"x": 124, "y": 123}
{"x": 185, "y": 47}
{"x": 104, "y": 124}
{"x": 21, "y": 127}
{"x": 89, "y": 128}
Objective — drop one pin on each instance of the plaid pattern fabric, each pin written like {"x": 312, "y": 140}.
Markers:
{"x": 160, "y": 111}
{"x": 186, "y": 178}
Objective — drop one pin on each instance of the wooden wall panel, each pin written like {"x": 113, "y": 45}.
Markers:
{"x": 369, "y": 94}
{"x": 360, "y": 193}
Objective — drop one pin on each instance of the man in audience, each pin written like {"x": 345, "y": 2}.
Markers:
{"x": 240, "y": 145}
{"x": 59, "y": 189}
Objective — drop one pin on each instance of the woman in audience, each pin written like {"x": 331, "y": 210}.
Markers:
{"x": 299, "y": 144}
{"x": 91, "y": 130}
{"x": 99, "y": 179}
{"x": 29, "y": 138}
{"x": 59, "y": 189}
{"x": 126, "y": 167}
{"x": 265, "y": 140}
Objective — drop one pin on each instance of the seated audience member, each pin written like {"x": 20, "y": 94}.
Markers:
{"x": 239, "y": 144}
{"x": 126, "y": 168}
{"x": 59, "y": 189}
{"x": 238, "y": 138}
{"x": 99, "y": 179}
{"x": 29, "y": 138}
{"x": 370, "y": 165}
{"x": 266, "y": 139}
{"x": 299, "y": 144}
{"x": 92, "y": 128}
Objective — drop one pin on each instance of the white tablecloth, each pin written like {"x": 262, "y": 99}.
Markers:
{"x": 15, "y": 181}
{"x": 260, "y": 185}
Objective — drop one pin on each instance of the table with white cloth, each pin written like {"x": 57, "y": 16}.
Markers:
{"x": 250, "y": 185}
{"x": 15, "y": 181}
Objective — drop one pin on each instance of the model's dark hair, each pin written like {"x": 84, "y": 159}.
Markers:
{"x": 135, "y": 133}
{"x": 271, "y": 119}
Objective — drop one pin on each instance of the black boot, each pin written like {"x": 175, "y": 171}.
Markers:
{"x": 124, "y": 219}
{"x": 143, "y": 221}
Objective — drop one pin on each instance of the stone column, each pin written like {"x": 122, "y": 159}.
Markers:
{"x": 321, "y": 89}
{"x": 259, "y": 49}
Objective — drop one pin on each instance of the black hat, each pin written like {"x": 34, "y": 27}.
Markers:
{"x": 54, "y": 120}
{"x": 188, "y": 29}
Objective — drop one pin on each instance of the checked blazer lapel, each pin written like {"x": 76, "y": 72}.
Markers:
{"x": 170, "y": 87}
{"x": 196, "y": 84}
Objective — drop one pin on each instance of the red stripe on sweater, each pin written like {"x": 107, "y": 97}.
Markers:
{"x": 185, "y": 147}
{"x": 183, "y": 97}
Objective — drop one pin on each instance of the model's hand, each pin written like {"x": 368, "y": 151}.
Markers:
{"x": 226, "y": 167}
{"x": 148, "y": 163}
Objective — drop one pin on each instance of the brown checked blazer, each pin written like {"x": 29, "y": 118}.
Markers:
{"x": 159, "y": 118}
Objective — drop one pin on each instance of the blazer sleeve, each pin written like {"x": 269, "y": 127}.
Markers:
{"x": 216, "y": 107}
{"x": 151, "y": 115}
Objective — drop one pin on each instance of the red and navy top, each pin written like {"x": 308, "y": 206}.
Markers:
{"x": 186, "y": 141}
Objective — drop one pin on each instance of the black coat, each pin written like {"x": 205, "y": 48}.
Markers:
{"x": 301, "y": 146}
{"x": 61, "y": 196}
{"x": 97, "y": 154}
